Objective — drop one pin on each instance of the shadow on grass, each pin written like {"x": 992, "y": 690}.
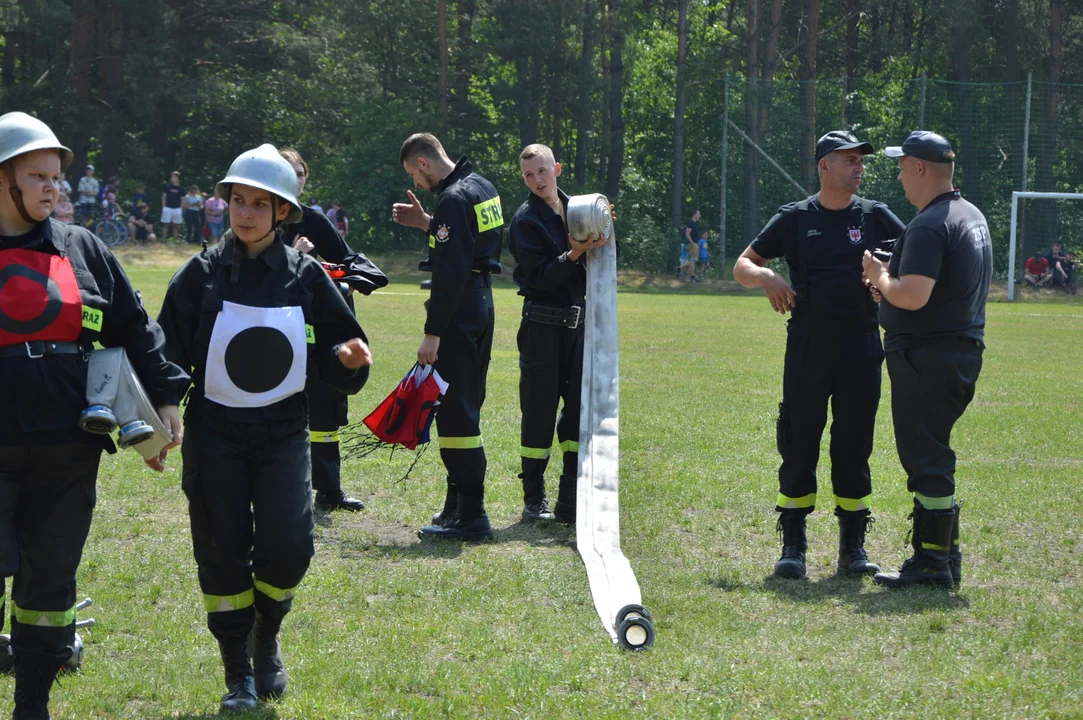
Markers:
{"x": 869, "y": 599}
{"x": 262, "y": 712}
{"x": 542, "y": 533}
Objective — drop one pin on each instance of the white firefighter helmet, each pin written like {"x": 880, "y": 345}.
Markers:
{"x": 265, "y": 169}
{"x": 20, "y": 133}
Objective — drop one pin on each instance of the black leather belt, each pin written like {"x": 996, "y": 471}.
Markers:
{"x": 569, "y": 317}
{"x": 41, "y": 348}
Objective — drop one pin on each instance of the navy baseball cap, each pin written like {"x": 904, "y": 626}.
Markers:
{"x": 841, "y": 140}
{"x": 924, "y": 145}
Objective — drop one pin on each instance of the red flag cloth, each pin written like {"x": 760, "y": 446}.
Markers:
{"x": 405, "y": 416}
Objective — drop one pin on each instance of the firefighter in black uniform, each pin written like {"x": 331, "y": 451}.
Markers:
{"x": 61, "y": 290}
{"x": 832, "y": 347}
{"x": 552, "y": 278}
{"x": 933, "y": 312}
{"x": 253, "y": 319}
{"x": 328, "y": 408}
{"x": 465, "y": 238}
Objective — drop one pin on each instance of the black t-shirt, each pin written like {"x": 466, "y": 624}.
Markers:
{"x": 834, "y": 243}
{"x": 173, "y": 195}
{"x": 694, "y": 227}
{"x": 949, "y": 242}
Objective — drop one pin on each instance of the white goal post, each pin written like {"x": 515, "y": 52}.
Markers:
{"x": 1015, "y": 209}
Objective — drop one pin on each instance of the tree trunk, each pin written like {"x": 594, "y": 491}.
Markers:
{"x": 853, "y": 19}
{"x": 965, "y": 29}
{"x": 556, "y": 90}
{"x": 464, "y": 67}
{"x": 752, "y": 115}
{"x": 607, "y": 128}
{"x": 676, "y": 200}
{"x": 7, "y": 70}
{"x": 441, "y": 31}
{"x": 82, "y": 56}
{"x": 1046, "y": 212}
{"x": 810, "y": 29}
{"x": 586, "y": 85}
{"x": 616, "y": 120}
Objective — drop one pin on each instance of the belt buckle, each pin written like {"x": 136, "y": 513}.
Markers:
{"x": 578, "y": 316}
{"x": 30, "y": 354}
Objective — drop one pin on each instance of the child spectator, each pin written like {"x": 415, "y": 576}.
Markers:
{"x": 64, "y": 211}
{"x": 193, "y": 204}
{"x": 704, "y": 253}
{"x": 139, "y": 225}
{"x": 172, "y": 214}
{"x": 216, "y": 214}
{"x": 1071, "y": 272}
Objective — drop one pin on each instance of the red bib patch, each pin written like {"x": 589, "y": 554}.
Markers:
{"x": 39, "y": 298}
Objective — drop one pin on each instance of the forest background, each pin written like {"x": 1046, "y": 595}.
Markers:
{"x": 633, "y": 96}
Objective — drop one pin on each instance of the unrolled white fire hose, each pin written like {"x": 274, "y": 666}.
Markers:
{"x": 612, "y": 583}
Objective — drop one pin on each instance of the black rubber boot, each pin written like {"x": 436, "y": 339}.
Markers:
{"x": 339, "y": 501}
{"x": 955, "y": 557}
{"x": 471, "y": 522}
{"x": 852, "y": 529}
{"x": 270, "y": 672}
{"x": 931, "y": 541}
{"x": 791, "y": 528}
{"x": 564, "y": 511}
{"x": 35, "y": 672}
{"x": 535, "y": 503}
{"x": 240, "y": 684}
{"x": 450, "y": 513}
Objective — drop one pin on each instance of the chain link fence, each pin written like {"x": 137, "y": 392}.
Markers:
{"x": 1008, "y": 136}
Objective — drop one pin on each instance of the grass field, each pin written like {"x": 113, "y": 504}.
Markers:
{"x": 388, "y": 627}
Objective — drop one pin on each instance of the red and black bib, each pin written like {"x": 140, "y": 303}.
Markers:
{"x": 39, "y": 298}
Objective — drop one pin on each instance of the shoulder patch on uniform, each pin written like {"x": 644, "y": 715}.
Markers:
{"x": 443, "y": 233}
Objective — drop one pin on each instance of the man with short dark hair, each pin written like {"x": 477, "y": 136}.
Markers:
{"x": 552, "y": 279}
{"x": 833, "y": 347}
{"x": 933, "y": 313}
{"x": 172, "y": 214}
{"x": 465, "y": 238}
{"x": 1036, "y": 270}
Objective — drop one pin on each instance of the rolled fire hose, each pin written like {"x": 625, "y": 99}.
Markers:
{"x": 612, "y": 583}
{"x": 116, "y": 399}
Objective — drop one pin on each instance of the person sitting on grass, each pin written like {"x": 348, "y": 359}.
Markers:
{"x": 1070, "y": 272}
{"x": 1036, "y": 271}
{"x": 140, "y": 228}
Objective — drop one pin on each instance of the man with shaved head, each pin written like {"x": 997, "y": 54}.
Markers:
{"x": 933, "y": 314}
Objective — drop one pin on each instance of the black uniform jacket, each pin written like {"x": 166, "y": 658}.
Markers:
{"x": 466, "y": 234}
{"x": 315, "y": 226}
{"x": 537, "y": 239}
{"x": 278, "y": 277}
{"x": 41, "y": 398}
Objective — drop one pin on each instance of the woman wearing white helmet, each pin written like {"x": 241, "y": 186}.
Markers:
{"x": 253, "y": 318}
{"x": 61, "y": 290}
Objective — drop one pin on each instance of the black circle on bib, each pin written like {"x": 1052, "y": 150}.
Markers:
{"x": 258, "y": 359}
{"x": 48, "y": 314}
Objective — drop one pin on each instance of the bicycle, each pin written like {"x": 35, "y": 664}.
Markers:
{"x": 112, "y": 232}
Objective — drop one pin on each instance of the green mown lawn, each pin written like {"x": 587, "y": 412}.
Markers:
{"x": 387, "y": 627}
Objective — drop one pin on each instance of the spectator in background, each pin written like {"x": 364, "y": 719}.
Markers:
{"x": 704, "y": 253}
{"x": 193, "y": 207}
{"x": 64, "y": 211}
{"x": 64, "y": 185}
{"x": 88, "y": 195}
{"x": 342, "y": 223}
{"x": 113, "y": 186}
{"x": 1056, "y": 258}
{"x": 683, "y": 265}
{"x": 333, "y": 212}
{"x": 216, "y": 215}
{"x": 172, "y": 215}
{"x": 1070, "y": 271}
{"x": 316, "y": 205}
{"x": 141, "y": 197}
{"x": 139, "y": 225}
{"x": 1036, "y": 271}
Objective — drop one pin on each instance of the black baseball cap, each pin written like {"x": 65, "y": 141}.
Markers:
{"x": 841, "y": 140}
{"x": 924, "y": 145}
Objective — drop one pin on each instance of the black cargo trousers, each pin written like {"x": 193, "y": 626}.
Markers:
{"x": 837, "y": 360}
